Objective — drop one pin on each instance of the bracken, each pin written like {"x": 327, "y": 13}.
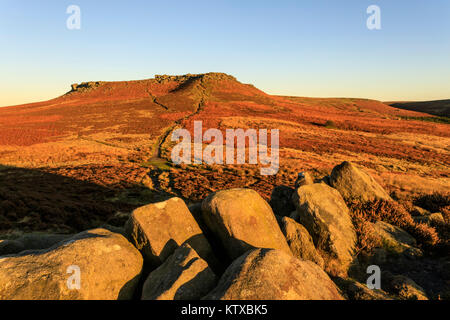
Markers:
{"x": 395, "y": 214}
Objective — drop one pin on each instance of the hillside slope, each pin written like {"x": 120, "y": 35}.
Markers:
{"x": 437, "y": 107}
{"x": 103, "y": 148}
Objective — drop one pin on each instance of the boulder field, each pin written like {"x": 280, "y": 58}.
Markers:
{"x": 231, "y": 246}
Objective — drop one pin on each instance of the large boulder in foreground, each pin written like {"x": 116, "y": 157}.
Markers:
{"x": 109, "y": 268}
{"x": 325, "y": 215}
{"x": 183, "y": 276}
{"x": 267, "y": 274}
{"x": 300, "y": 241}
{"x": 355, "y": 184}
{"x": 158, "y": 229}
{"x": 242, "y": 220}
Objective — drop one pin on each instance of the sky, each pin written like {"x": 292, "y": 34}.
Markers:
{"x": 314, "y": 48}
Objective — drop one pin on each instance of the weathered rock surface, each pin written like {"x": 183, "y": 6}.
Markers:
{"x": 358, "y": 291}
{"x": 183, "y": 276}
{"x": 303, "y": 179}
{"x": 280, "y": 200}
{"x": 160, "y": 228}
{"x": 355, "y": 184}
{"x": 242, "y": 220}
{"x": 403, "y": 287}
{"x": 300, "y": 241}
{"x": 436, "y": 217}
{"x": 418, "y": 211}
{"x": 395, "y": 239}
{"x": 109, "y": 268}
{"x": 85, "y": 86}
{"x": 267, "y": 274}
{"x": 222, "y": 261}
{"x": 196, "y": 211}
{"x": 325, "y": 215}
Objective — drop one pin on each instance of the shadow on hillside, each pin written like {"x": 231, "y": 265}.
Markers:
{"x": 34, "y": 200}
{"x": 186, "y": 84}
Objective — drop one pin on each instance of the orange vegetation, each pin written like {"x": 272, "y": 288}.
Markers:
{"x": 108, "y": 134}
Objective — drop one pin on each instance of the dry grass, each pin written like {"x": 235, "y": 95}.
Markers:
{"x": 101, "y": 136}
{"x": 433, "y": 202}
{"x": 367, "y": 239}
{"x": 395, "y": 214}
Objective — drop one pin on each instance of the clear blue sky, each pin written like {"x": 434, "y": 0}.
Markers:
{"x": 290, "y": 47}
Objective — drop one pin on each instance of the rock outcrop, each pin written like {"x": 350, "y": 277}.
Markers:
{"x": 158, "y": 229}
{"x": 358, "y": 291}
{"x": 183, "y": 276}
{"x": 92, "y": 265}
{"x": 303, "y": 179}
{"x": 395, "y": 239}
{"x": 215, "y": 76}
{"x": 403, "y": 287}
{"x": 242, "y": 220}
{"x": 325, "y": 215}
{"x": 300, "y": 241}
{"x": 355, "y": 184}
{"x": 86, "y": 86}
{"x": 267, "y": 274}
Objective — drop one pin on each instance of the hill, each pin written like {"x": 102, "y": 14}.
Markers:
{"x": 92, "y": 155}
{"x": 436, "y": 107}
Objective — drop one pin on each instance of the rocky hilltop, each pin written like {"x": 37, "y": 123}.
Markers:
{"x": 312, "y": 242}
{"x": 173, "y": 80}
